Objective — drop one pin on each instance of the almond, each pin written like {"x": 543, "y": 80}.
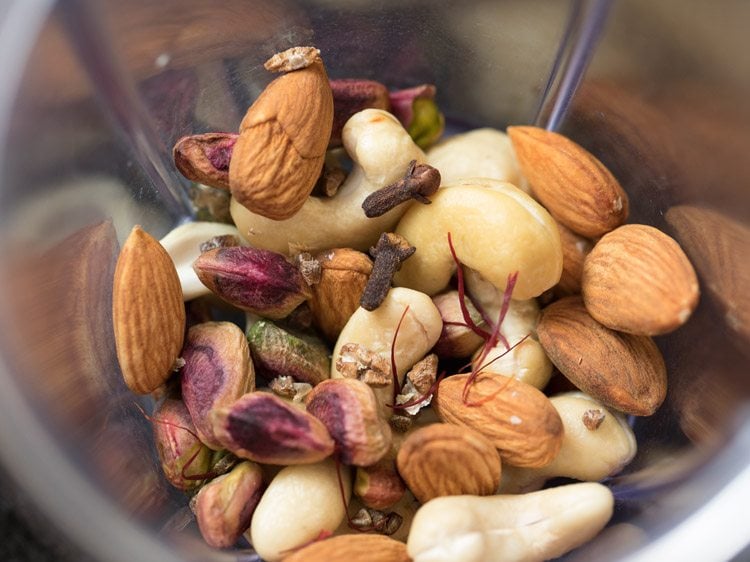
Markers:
{"x": 282, "y": 144}
{"x": 350, "y": 548}
{"x": 577, "y": 189}
{"x": 622, "y": 371}
{"x": 518, "y": 419}
{"x": 575, "y": 249}
{"x": 638, "y": 280}
{"x": 718, "y": 245}
{"x": 448, "y": 460}
{"x": 147, "y": 311}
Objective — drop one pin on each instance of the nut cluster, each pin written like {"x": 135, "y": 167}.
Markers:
{"x": 344, "y": 374}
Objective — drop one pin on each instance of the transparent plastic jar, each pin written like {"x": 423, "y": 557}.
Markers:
{"x": 95, "y": 93}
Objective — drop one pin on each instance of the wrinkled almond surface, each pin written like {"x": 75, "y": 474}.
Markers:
{"x": 283, "y": 139}
{"x": 517, "y": 418}
{"x": 574, "y": 186}
{"x": 351, "y": 548}
{"x": 147, "y": 311}
{"x": 448, "y": 460}
{"x": 623, "y": 371}
{"x": 638, "y": 280}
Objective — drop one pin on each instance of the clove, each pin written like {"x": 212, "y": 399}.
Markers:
{"x": 390, "y": 251}
{"x": 418, "y": 183}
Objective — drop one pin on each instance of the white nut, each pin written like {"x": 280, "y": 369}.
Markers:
{"x": 381, "y": 150}
{"x": 374, "y": 331}
{"x": 527, "y": 361}
{"x": 485, "y": 153}
{"x": 598, "y": 442}
{"x": 527, "y": 528}
{"x": 299, "y": 503}
{"x": 496, "y": 229}
{"x": 183, "y": 246}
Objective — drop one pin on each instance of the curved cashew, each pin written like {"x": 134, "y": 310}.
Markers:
{"x": 496, "y": 229}
{"x": 183, "y": 246}
{"x": 381, "y": 150}
{"x": 299, "y": 503}
{"x": 374, "y": 331}
{"x": 527, "y": 361}
{"x": 486, "y": 153}
{"x": 532, "y": 527}
{"x": 596, "y": 444}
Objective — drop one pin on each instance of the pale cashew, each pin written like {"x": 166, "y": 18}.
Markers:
{"x": 527, "y": 361}
{"x": 299, "y": 503}
{"x": 527, "y": 528}
{"x": 374, "y": 331}
{"x": 381, "y": 150}
{"x": 496, "y": 229}
{"x": 485, "y": 153}
{"x": 586, "y": 454}
{"x": 183, "y": 246}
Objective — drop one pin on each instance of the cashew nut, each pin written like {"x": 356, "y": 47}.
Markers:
{"x": 496, "y": 229}
{"x": 526, "y": 528}
{"x": 183, "y": 246}
{"x": 381, "y": 150}
{"x": 486, "y": 153}
{"x": 527, "y": 361}
{"x": 589, "y": 452}
{"x": 374, "y": 331}
{"x": 299, "y": 503}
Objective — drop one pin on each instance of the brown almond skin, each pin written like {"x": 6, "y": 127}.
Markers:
{"x": 448, "y": 460}
{"x": 344, "y": 275}
{"x": 518, "y": 419}
{"x": 638, "y": 280}
{"x": 574, "y": 186}
{"x": 575, "y": 249}
{"x": 264, "y": 428}
{"x": 147, "y": 311}
{"x": 350, "y": 411}
{"x": 351, "y": 548}
{"x": 282, "y": 144}
{"x": 622, "y": 371}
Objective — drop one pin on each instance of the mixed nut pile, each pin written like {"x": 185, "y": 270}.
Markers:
{"x": 390, "y": 406}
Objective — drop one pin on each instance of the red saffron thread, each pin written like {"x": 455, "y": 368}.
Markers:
{"x": 352, "y": 525}
{"x": 190, "y": 461}
{"x": 394, "y": 370}
{"x": 462, "y": 292}
{"x": 476, "y": 371}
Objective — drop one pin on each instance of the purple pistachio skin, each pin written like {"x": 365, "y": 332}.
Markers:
{"x": 254, "y": 280}
{"x": 183, "y": 457}
{"x": 350, "y": 96}
{"x": 217, "y": 371}
{"x": 264, "y": 428}
{"x": 402, "y": 101}
{"x": 205, "y": 158}
{"x": 224, "y": 507}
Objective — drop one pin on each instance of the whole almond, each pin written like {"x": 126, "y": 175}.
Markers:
{"x": 343, "y": 277}
{"x": 350, "y": 548}
{"x": 518, "y": 419}
{"x": 448, "y": 460}
{"x": 638, "y": 280}
{"x": 282, "y": 144}
{"x": 622, "y": 371}
{"x": 147, "y": 312}
{"x": 577, "y": 189}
